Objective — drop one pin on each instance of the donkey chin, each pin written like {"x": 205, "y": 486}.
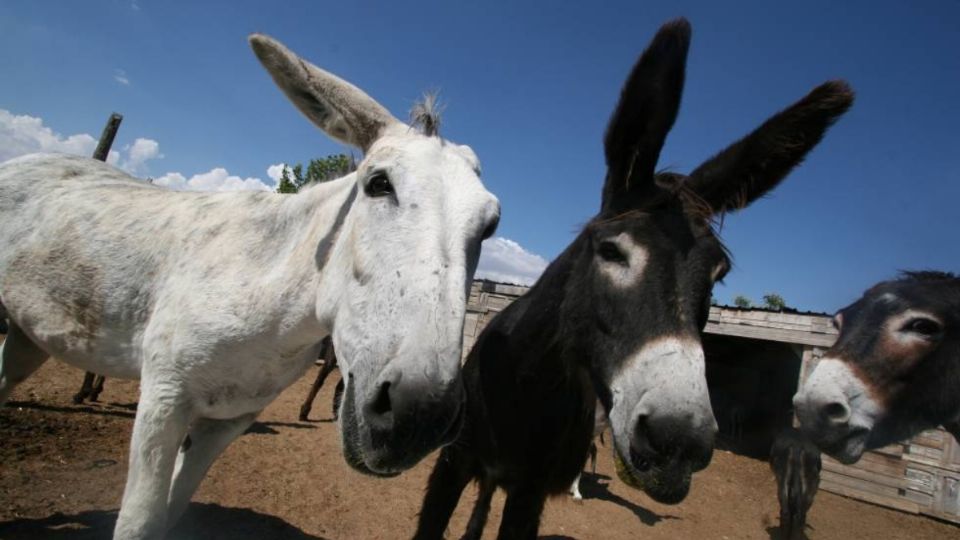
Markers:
{"x": 665, "y": 485}
{"x": 385, "y": 445}
{"x": 848, "y": 446}
{"x": 667, "y": 482}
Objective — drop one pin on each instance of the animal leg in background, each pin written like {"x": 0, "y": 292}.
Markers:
{"x": 450, "y": 475}
{"x": 208, "y": 438}
{"x": 97, "y": 387}
{"x": 600, "y": 424}
{"x": 91, "y": 387}
{"x": 19, "y": 357}
{"x": 575, "y": 486}
{"x": 329, "y": 364}
{"x": 575, "y": 489}
{"x": 338, "y": 398}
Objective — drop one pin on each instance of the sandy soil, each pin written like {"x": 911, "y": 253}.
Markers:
{"x": 64, "y": 466}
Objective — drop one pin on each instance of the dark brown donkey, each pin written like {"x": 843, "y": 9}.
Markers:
{"x": 618, "y": 315}
{"x": 894, "y": 370}
{"x": 796, "y": 464}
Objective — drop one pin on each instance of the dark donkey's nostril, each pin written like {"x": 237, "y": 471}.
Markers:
{"x": 660, "y": 437}
{"x": 836, "y": 412}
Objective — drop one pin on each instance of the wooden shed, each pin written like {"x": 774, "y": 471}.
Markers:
{"x": 755, "y": 360}
{"x": 487, "y": 298}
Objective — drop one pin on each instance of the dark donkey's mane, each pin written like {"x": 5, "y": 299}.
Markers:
{"x": 926, "y": 276}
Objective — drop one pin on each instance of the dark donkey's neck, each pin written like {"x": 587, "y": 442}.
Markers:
{"x": 532, "y": 334}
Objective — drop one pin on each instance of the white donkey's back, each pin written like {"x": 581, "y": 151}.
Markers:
{"x": 90, "y": 254}
{"x": 218, "y": 301}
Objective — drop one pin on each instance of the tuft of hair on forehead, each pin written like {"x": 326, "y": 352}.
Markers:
{"x": 926, "y": 276}
{"x": 694, "y": 206}
{"x": 425, "y": 114}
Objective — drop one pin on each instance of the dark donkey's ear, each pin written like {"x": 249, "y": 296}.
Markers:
{"x": 648, "y": 106}
{"x": 754, "y": 165}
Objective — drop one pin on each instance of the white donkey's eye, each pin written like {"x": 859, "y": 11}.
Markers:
{"x": 379, "y": 185}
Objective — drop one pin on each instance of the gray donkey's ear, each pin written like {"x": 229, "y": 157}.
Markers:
{"x": 337, "y": 107}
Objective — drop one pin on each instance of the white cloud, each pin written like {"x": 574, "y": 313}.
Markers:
{"x": 23, "y": 134}
{"x": 217, "y": 179}
{"x": 120, "y": 76}
{"x": 138, "y": 153}
{"x": 275, "y": 171}
{"x": 504, "y": 260}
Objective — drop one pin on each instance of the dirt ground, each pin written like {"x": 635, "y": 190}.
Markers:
{"x": 63, "y": 469}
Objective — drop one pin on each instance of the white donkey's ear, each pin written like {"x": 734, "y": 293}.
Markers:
{"x": 339, "y": 108}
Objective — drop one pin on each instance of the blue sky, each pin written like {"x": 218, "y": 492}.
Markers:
{"x": 530, "y": 86}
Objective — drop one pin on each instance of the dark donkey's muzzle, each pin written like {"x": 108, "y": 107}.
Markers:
{"x": 399, "y": 420}
{"x": 666, "y": 446}
{"x": 663, "y": 424}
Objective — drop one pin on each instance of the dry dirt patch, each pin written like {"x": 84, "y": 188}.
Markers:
{"x": 64, "y": 467}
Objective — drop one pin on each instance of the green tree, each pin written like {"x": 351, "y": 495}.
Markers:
{"x": 286, "y": 185}
{"x": 742, "y": 301}
{"x": 292, "y": 179}
{"x": 774, "y": 301}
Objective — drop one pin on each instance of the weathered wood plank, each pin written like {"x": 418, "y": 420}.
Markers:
{"x": 770, "y": 334}
{"x": 860, "y": 485}
{"x": 892, "y": 475}
{"x": 936, "y": 463}
{"x": 890, "y": 502}
{"x": 894, "y": 482}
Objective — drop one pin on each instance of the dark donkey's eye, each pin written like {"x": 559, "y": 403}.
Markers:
{"x": 609, "y": 252}
{"x": 379, "y": 185}
{"x": 922, "y": 326}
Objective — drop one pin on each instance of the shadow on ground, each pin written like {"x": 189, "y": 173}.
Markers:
{"x": 201, "y": 522}
{"x": 596, "y": 486}
{"x": 266, "y": 428}
{"x": 125, "y": 412}
{"x": 776, "y": 534}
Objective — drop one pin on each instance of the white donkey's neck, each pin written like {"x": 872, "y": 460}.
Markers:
{"x": 317, "y": 221}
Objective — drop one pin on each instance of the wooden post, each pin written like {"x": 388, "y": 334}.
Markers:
{"x": 106, "y": 138}
{"x": 89, "y": 389}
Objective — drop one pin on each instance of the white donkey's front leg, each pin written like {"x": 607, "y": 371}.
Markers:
{"x": 159, "y": 428}
{"x": 208, "y": 439}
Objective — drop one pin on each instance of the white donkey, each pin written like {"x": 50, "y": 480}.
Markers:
{"x": 218, "y": 301}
